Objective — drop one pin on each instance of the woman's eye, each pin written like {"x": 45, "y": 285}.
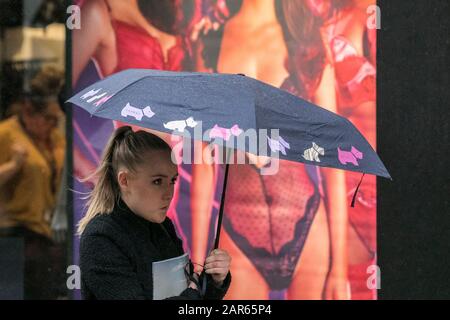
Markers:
{"x": 157, "y": 182}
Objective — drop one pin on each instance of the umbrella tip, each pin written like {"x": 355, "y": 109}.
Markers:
{"x": 241, "y": 74}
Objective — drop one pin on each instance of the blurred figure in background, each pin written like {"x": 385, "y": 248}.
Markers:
{"x": 30, "y": 171}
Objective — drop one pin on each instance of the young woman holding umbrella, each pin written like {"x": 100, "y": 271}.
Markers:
{"x": 126, "y": 228}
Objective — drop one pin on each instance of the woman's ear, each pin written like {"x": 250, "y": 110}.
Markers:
{"x": 122, "y": 178}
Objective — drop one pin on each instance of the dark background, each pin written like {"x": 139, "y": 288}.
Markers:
{"x": 413, "y": 141}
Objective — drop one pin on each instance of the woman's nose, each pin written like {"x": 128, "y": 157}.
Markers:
{"x": 168, "y": 193}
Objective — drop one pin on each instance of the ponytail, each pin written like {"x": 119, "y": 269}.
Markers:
{"x": 106, "y": 192}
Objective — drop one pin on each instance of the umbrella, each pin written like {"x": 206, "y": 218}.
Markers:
{"x": 229, "y": 107}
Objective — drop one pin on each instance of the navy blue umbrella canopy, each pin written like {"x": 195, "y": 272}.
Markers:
{"x": 232, "y": 111}
{"x": 231, "y": 108}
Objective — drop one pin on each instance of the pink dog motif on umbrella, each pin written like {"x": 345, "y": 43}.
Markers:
{"x": 102, "y": 100}
{"x": 351, "y": 156}
{"x": 224, "y": 133}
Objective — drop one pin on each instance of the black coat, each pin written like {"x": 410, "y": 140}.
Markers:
{"x": 116, "y": 255}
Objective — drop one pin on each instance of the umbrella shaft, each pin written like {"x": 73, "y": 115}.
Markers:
{"x": 222, "y": 201}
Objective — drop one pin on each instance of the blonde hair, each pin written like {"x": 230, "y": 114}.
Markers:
{"x": 125, "y": 148}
